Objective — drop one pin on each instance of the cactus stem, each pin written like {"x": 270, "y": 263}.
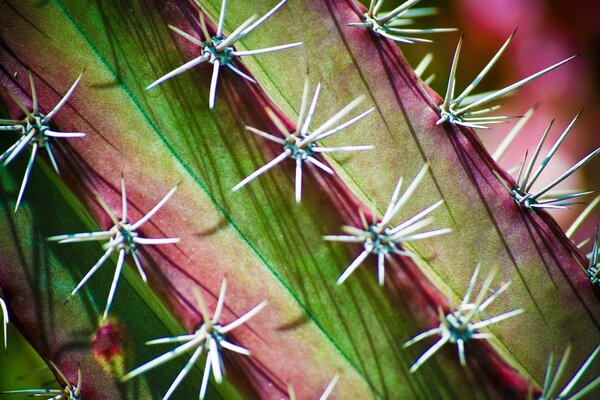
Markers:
{"x": 36, "y": 132}
{"x": 122, "y": 238}
{"x": 301, "y": 145}
{"x": 544, "y": 198}
{"x": 550, "y": 381}
{"x": 458, "y": 326}
{"x": 385, "y": 24}
{"x": 69, "y": 392}
{"x": 219, "y": 51}
{"x": 210, "y": 336}
{"x": 468, "y": 115}
{"x": 381, "y": 239}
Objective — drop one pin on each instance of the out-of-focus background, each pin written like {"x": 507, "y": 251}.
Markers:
{"x": 548, "y": 31}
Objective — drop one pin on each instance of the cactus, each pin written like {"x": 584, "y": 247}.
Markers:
{"x": 276, "y": 266}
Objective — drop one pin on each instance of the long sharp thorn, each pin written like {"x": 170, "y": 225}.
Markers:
{"x": 329, "y": 388}
{"x": 92, "y": 271}
{"x": 260, "y": 171}
{"x": 337, "y": 116}
{"x": 568, "y": 173}
{"x": 501, "y": 149}
{"x": 220, "y": 302}
{"x": 6, "y": 320}
{"x": 63, "y": 101}
{"x": 471, "y": 286}
{"x": 417, "y": 217}
{"x": 559, "y": 370}
{"x": 186, "y": 36}
{"x": 341, "y": 127}
{"x": 266, "y": 135}
{"x": 553, "y": 150}
{"x": 303, "y": 105}
{"x": 265, "y": 50}
{"x": 381, "y": 268}
{"x": 497, "y": 318}
{"x": 375, "y": 7}
{"x": 123, "y": 200}
{"x": 394, "y": 198}
{"x": 238, "y": 349}
{"x": 548, "y": 375}
{"x": 430, "y": 352}
{"x": 512, "y": 87}
{"x": 586, "y": 389}
{"x": 398, "y": 38}
{"x": 420, "y": 70}
{"x": 298, "y": 181}
{"x": 178, "y": 70}
{"x": 215, "y": 359}
{"x": 240, "y": 73}
{"x": 262, "y": 19}
{"x": 182, "y": 374}
{"x": 320, "y": 165}
{"x": 352, "y": 267}
{"x": 221, "y": 19}
{"x": 33, "y": 94}
{"x": 341, "y": 148}
{"x": 579, "y": 220}
{"x": 204, "y": 29}
{"x": 461, "y": 352}
{"x": 397, "y": 11}
{"x": 311, "y": 111}
{"x": 452, "y": 77}
{"x": 80, "y": 237}
{"x": 106, "y": 209}
{"x": 244, "y": 318}
{"x": 579, "y": 373}
{"x": 203, "y": 308}
{"x": 278, "y": 123}
{"x": 213, "y": 84}
{"x": 26, "y": 176}
{"x": 20, "y": 104}
{"x": 155, "y": 241}
{"x": 407, "y": 194}
{"x": 205, "y": 378}
{"x": 115, "y": 282}
{"x": 51, "y": 157}
{"x": 154, "y": 210}
{"x": 182, "y": 349}
{"x": 483, "y": 72}
{"x": 55, "y": 134}
{"x": 526, "y": 182}
{"x": 235, "y": 35}
{"x": 138, "y": 264}
{"x": 18, "y": 148}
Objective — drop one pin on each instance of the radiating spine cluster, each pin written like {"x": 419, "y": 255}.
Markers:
{"x": 218, "y": 50}
{"x": 465, "y": 322}
{"x": 392, "y": 25}
{"x": 122, "y": 238}
{"x": 383, "y": 240}
{"x": 211, "y": 337}
{"x": 302, "y": 144}
{"x": 35, "y": 132}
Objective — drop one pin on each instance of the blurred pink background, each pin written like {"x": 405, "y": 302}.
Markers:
{"x": 547, "y": 32}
